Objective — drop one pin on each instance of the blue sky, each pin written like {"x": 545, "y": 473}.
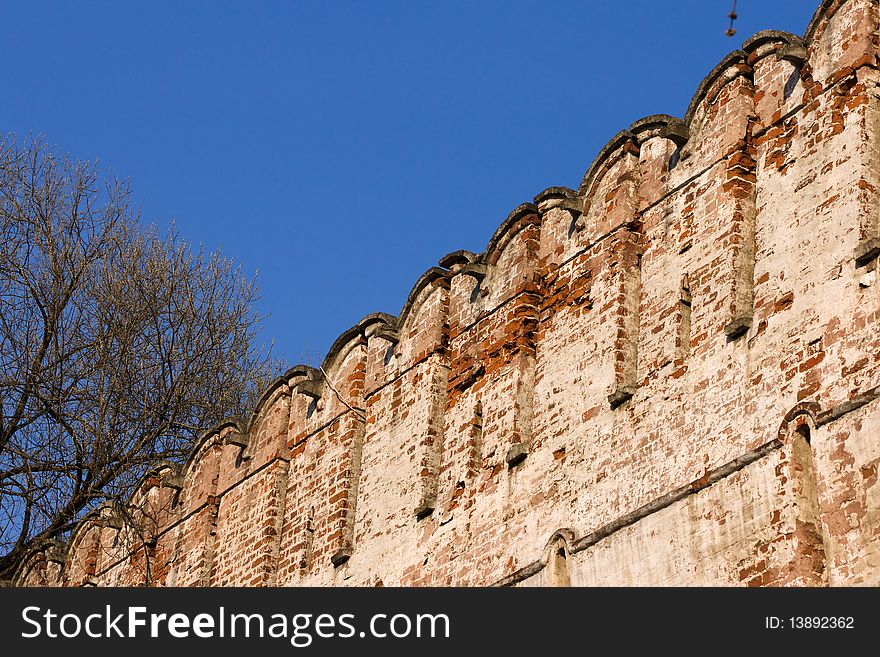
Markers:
{"x": 342, "y": 148}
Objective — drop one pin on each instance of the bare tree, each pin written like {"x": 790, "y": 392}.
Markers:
{"x": 118, "y": 344}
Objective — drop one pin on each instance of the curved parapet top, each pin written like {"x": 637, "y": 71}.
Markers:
{"x": 508, "y": 228}
{"x": 433, "y": 275}
{"x": 268, "y": 393}
{"x": 758, "y": 39}
{"x": 49, "y": 548}
{"x": 821, "y": 16}
{"x": 617, "y": 141}
{"x": 660, "y": 125}
{"x": 299, "y": 371}
{"x": 460, "y": 257}
{"x": 732, "y": 66}
{"x": 308, "y": 379}
{"x": 91, "y": 519}
{"x": 383, "y": 325}
{"x": 376, "y": 318}
{"x": 554, "y": 192}
{"x": 784, "y": 44}
{"x": 199, "y": 444}
{"x": 169, "y": 468}
{"x": 356, "y": 333}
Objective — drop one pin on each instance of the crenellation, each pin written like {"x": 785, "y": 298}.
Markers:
{"x": 842, "y": 36}
{"x": 777, "y": 60}
{"x": 612, "y": 199}
{"x": 668, "y": 376}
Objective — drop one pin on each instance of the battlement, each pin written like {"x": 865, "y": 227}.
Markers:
{"x": 668, "y": 376}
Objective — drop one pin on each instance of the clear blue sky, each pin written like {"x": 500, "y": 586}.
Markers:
{"x": 342, "y": 148}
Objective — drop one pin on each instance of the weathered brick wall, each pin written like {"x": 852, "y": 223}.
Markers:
{"x": 667, "y": 376}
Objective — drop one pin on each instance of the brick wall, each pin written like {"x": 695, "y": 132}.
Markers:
{"x": 668, "y": 376}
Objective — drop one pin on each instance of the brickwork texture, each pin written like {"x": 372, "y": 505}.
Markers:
{"x": 668, "y": 376}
